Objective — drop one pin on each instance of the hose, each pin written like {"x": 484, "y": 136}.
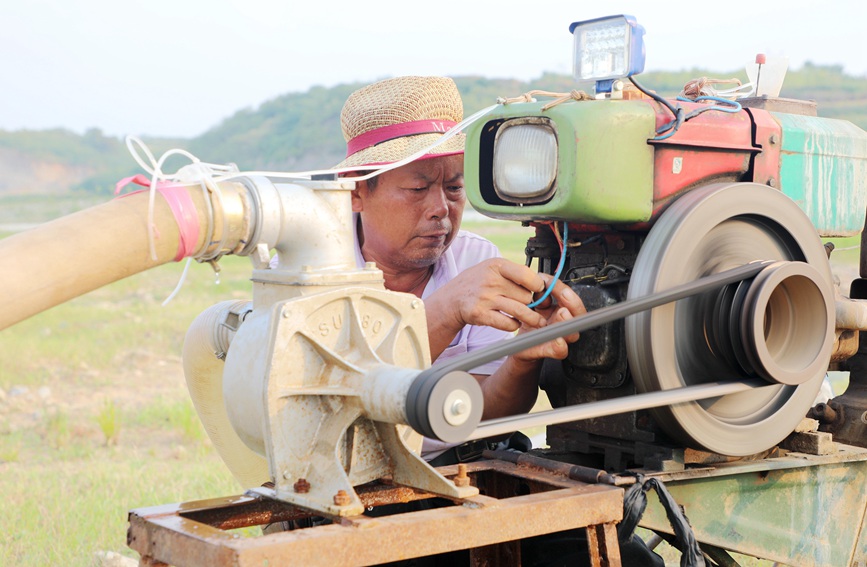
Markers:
{"x": 73, "y": 255}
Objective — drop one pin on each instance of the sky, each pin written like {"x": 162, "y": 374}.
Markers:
{"x": 178, "y": 68}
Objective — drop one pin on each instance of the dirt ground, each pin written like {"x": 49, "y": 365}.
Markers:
{"x": 81, "y": 393}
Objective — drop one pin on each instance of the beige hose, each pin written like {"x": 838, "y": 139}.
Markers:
{"x": 206, "y": 338}
{"x": 68, "y": 257}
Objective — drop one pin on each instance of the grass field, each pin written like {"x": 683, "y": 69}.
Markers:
{"x": 94, "y": 415}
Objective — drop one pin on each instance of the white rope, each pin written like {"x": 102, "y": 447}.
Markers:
{"x": 209, "y": 175}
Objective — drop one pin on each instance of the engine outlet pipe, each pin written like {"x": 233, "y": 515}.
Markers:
{"x": 68, "y": 257}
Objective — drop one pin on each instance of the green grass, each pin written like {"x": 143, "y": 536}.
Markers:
{"x": 62, "y": 513}
{"x": 109, "y": 420}
{"x": 173, "y": 414}
{"x": 117, "y": 325}
{"x": 509, "y": 236}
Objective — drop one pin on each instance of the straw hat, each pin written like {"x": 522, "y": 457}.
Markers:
{"x": 392, "y": 119}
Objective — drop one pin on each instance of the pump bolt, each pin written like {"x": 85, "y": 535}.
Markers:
{"x": 301, "y": 486}
{"x": 342, "y": 498}
{"x": 462, "y": 479}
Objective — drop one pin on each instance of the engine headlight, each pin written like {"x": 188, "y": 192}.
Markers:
{"x": 525, "y": 160}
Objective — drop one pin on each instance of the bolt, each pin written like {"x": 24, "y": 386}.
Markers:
{"x": 342, "y": 498}
{"x": 594, "y": 379}
{"x": 462, "y": 479}
{"x": 301, "y": 486}
{"x": 773, "y": 139}
{"x": 415, "y": 304}
{"x": 286, "y": 313}
{"x": 772, "y": 182}
{"x": 459, "y": 407}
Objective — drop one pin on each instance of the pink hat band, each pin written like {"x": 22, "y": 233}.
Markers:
{"x": 392, "y": 131}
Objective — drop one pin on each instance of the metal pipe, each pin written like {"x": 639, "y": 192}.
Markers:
{"x": 851, "y": 313}
{"x": 316, "y": 228}
{"x": 575, "y": 472}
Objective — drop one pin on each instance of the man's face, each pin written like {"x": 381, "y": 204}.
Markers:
{"x": 413, "y": 213}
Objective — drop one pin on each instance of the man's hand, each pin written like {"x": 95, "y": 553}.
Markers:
{"x": 495, "y": 293}
{"x": 561, "y": 305}
{"x": 513, "y": 388}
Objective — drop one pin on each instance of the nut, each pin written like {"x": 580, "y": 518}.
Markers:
{"x": 462, "y": 479}
{"x": 301, "y": 486}
{"x": 342, "y": 498}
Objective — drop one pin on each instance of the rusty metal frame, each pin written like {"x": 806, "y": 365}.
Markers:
{"x": 516, "y": 501}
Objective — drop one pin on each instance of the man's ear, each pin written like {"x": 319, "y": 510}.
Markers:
{"x": 357, "y": 201}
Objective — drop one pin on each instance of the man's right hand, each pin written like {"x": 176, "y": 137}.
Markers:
{"x": 494, "y": 293}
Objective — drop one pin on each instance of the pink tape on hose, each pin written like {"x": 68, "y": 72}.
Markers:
{"x": 184, "y": 210}
{"x": 137, "y": 179}
{"x": 181, "y": 205}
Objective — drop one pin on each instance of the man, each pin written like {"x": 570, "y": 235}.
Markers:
{"x": 409, "y": 225}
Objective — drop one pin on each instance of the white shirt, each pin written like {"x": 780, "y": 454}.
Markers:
{"x": 465, "y": 251}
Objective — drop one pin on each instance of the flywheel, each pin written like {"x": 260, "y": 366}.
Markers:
{"x": 778, "y": 326}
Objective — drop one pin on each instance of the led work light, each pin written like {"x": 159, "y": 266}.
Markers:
{"x": 606, "y": 49}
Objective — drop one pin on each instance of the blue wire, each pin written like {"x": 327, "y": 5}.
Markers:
{"x": 671, "y": 127}
{"x": 731, "y": 105}
{"x": 562, "y": 263}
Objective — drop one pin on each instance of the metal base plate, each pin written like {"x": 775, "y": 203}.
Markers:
{"x": 517, "y": 502}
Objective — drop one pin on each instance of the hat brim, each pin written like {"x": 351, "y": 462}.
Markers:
{"x": 397, "y": 149}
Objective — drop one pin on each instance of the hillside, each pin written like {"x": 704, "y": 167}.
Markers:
{"x": 299, "y": 131}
